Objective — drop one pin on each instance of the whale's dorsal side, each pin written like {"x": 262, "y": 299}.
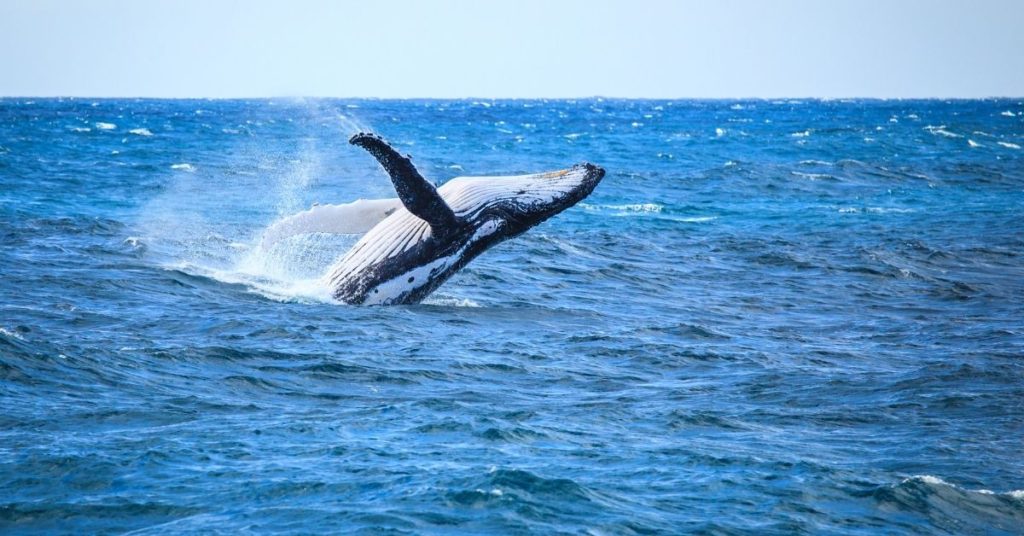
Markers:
{"x": 417, "y": 194}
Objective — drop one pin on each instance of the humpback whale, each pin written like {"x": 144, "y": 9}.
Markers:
{"x": 421, "y": 239}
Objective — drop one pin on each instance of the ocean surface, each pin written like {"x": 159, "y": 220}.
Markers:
{"x": 771, "y": 317}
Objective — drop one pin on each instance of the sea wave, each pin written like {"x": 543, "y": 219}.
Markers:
{"x": 628, "y": 207}
{"x": 940, "y": 130}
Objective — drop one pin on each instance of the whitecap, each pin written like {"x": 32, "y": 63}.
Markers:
{"x": 81, "y": 129}
{"x": 1008, "y": 113}
{"x": 106, "y": 126}
{"x": 815, "y": 163}
{"x": 451, "y": 302}
{"x": 184, "y": 167}
{"x": 630, "y": 207}
{"x": 141, "y": 132}
{"x": 973, "y": 143}
{"x": 890, "y": 210}
{"x": 803, "y": 134}
{"x": 12, "y": 334}
{"x": 811, "y": 176}
{"x": 635, "y": 124}
{"x": 941, "y": 131}
{"x": 695, "y": 219}
{"x": 932, "y": 480}
{"x": 719, "y": 132}
{"x": 1008, "y": 145}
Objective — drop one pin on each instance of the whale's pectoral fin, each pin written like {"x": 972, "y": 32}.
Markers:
{"x": 356, "y": 217}
{"x": 417, "y": 194}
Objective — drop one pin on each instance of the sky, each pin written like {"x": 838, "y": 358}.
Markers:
{"x": 512, "y": 48}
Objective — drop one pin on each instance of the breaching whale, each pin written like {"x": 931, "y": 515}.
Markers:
{"x": 428, "y": 233}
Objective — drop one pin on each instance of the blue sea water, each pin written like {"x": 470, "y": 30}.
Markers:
{"x": 771, "y": 317}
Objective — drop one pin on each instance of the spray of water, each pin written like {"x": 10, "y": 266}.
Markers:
{"x": 207, "y": 221}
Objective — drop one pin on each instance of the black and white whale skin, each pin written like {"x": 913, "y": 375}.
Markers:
{"x": 437, "y": 231}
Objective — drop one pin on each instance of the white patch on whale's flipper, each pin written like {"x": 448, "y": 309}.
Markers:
{"x": 356, "y": 217}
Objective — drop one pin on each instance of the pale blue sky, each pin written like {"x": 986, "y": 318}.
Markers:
{"x": 513, "y": 48}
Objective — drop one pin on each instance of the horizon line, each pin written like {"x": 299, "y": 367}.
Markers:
{"x": 588, "y": 97}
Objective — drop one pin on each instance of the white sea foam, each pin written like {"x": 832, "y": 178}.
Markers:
{"x": 141, "y": 132}
{"x": 694, "y": 219}
{"x": 932, "y": 480}
{"x": 973, "y": 143}
{"x": 815, "y": 163}
{"x": 184, "y": 167}
{"x": 811, "y": 176}
{"x": 450, "y": 301}
{"x": 632, "y": 207}
{"x": 1008, "y": 113}
{"x": 13, "y": 334}
{"x": 890, "y": 210}
{"x": 941, "y": 131}
{"x": 802, "y": 134}
{"x": 106, "y": 126}
{"x": 81, "y": 129}
{"x": 1008, "y": 145}
{"x": 719, "y": 132}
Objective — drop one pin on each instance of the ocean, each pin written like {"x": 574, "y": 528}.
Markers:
{"x": 771, "y": 317}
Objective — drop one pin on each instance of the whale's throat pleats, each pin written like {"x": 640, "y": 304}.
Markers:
{"x": 416, "y": 193}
